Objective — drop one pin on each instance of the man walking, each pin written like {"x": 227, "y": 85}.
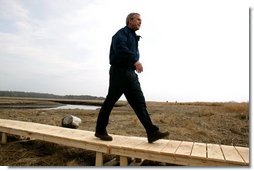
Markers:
{"x": 124, "y": 60}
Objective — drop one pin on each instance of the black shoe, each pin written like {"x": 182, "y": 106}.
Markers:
{"x": 156, "y": 136}
{"x": 104, "y": 137}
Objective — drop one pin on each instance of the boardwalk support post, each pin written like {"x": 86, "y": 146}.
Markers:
{"x": 99, "y": 159}
{"x": 4, "y": 138}
{"x": 123, "y": 161}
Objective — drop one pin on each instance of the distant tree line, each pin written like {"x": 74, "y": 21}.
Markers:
{"x": 46, "y": 95}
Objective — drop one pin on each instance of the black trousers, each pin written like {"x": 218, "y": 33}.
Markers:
{"x": 124, "y": 81}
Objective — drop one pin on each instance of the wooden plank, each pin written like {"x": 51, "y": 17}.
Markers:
{"x": 58, "y": 135}
{"x": 142, "y": 150}
{"x": 137, "y": 147}
{"x": 27, "y": 126}
{"x": 214, "y": 152}
{"x": 78, "y": 144}
{"x": 123, "y": 144}
{"x": 231, "y": 154}
{"x": 127, "y": 148}
{"x": 137, "y": 153}
{"x": 99, "y": 159}
{"x": 184, "y": 148}
{"x": 170, "y": 158}
{"x": 123, "y": 141}
{"x": 152, "y": 147}
{"x": 158, "y": 146}
{"x": 25, "y": 133}
{"x": 244, "y": 152}
{"x": 199, "y": 150}
{"x": 3, "y": 129}
{"x": 171, "y": 147}
{"x": 69, "y": 133}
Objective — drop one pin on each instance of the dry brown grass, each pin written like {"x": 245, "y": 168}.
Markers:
{"x": 237, "y": 107}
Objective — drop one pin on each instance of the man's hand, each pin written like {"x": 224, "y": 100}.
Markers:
{"x": 139, "y": 67}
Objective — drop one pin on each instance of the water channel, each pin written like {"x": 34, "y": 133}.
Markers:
{"x": 68, "y": 106}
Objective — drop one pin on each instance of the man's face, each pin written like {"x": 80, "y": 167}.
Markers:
{"x": 135, "y": 23}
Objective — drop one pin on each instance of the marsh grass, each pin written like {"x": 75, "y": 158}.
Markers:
{"x": 240, "y": 109}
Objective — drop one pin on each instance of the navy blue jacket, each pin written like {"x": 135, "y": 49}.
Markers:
{"x": 124, "y": 48}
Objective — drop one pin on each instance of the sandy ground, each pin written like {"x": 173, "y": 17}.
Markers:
{"x": 220, "y": 123}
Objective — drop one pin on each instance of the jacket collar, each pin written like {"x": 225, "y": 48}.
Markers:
{"x": 130, "y": 30}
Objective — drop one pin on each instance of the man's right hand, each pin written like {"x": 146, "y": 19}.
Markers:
{"x": 139, "y": 67}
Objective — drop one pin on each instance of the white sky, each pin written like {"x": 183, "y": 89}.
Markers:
{"x": 191, "y": 50}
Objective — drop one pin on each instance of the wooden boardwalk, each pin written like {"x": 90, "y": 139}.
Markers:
{"x": 169, "y": 151}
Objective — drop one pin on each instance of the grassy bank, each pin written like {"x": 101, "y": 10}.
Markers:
{"x": 12, "y": 101}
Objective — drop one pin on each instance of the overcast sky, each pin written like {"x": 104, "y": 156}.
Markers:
{"x": 191, "y": 50}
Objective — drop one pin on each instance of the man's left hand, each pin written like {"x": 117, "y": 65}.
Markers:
{"x": 139, "y": 67}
